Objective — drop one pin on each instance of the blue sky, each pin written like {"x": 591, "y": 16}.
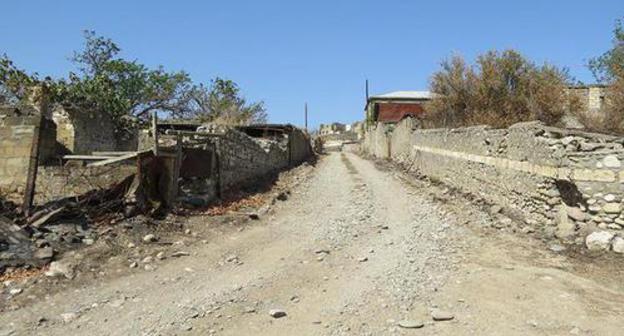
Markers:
{"x": 290, "y": 52}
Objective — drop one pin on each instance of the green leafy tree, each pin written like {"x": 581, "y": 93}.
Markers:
{"x": 15, "y": 83}
{"x": 121, "y": 88}
{"x": 129, "y": 91}
{"x": 222, "y": 102}
{"x": 98, "y": 51}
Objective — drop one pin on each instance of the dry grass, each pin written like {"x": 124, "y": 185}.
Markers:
{"x": 20, "y": 274}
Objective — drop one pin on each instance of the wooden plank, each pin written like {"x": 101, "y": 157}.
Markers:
{"x": 33, "y": 164}
{"x": 191, "y": 133}
{"x": 155, "y": 132}
{"x": 177, "y": 163}
{"x": 112, "y": 153}
{"x": 115, "y": 159}
{"x": 88, "y": 157}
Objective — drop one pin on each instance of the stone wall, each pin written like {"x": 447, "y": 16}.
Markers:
{"x": 84, "y": 132}
{"x": 56, "y": 182}
{"x": 591, "y": 96}
{"x": 567, "y": 184}
{"x": 239, "y": 160}
{"x": 300, "y": 146}
{"x": 376, "y": 141}
{"x": 16, "y": 140}
{"x": 243, "y": 159}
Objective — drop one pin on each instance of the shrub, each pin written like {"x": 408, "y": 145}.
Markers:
{"x": 608, "y": 68}
{"x": 500, "y": 90}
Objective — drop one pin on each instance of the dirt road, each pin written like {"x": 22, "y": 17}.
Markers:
{"x": 354, "y": 251}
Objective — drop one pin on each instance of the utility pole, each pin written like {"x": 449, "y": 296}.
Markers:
{"x": 367, "y": 90}
{"x": 306, "y": 115}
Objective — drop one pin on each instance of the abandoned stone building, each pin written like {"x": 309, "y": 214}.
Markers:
{"x": 592, "y": 96}
{"x": 221, "y": 157}
{"x": 333, "y": 128}
{"x": 83, "y": 132}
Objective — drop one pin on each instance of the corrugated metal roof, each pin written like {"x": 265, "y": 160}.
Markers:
{"x": 405, "y": 95}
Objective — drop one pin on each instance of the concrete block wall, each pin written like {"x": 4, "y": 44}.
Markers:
{"x": 567, "y": 184}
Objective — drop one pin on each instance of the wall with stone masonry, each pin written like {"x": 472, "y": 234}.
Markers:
{"x": 240, "y": 160}
{"x": 16, "y": 139}
{"x": 83, "y": 132}
{"x": 376, "y": 142}
{"x": 300, "y": 146}
{"x": 55, "y": 182}
{"x": 566, "y": 184}
{"x": 243, "y": 160}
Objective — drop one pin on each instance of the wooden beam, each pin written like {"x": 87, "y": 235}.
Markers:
{"x": 88, "y": 157}
{"x": 112, "y": 153}
{"x": 155, "y": 132}
{"x": 130, "y": 155}
{"x": 177, "y": 163}
{"x": 191, "y": 133}
{"x": 33, "y": 164}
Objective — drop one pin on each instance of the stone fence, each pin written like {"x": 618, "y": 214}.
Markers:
{"x": 566, "y": 184}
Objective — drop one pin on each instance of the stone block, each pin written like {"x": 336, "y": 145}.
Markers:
{"x": 612, "y": 208}
{"x": 618, "y": 245}
{"x": 611, "y": 161}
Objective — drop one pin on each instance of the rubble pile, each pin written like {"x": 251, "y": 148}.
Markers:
{"x": 34, "y": 240}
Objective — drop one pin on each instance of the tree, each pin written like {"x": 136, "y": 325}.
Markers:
{"x": 221, "y": 102}
{"x": 121, "y": 88}
{"x": 500, "y": 90}
{"x": 98, "y": 51}
{"x": 14, "y": 82}
{"x": 129, "y": 91}
{"x": 610, "y": 65}
{"x": 608, "y": 68}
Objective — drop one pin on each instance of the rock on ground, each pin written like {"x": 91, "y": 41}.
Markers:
{"x": 599, "y": 241}
{"x": 618, "y": 244}
{"x": 60, "y": 268}
{"x": 277, "y": 313}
